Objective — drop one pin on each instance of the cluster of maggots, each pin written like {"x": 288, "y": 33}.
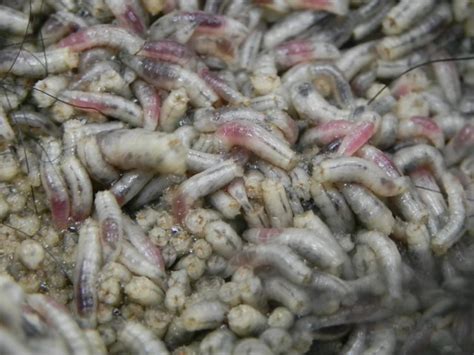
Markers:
{"x": 236, "y": 177}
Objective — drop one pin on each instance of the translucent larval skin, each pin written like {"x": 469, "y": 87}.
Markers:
{"x": 236, "y": 177}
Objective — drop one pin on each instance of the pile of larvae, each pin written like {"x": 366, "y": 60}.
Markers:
{"x": 197, "y": 177}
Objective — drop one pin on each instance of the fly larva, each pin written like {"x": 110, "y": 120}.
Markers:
{"x": 355, "y": 343}
{"x": 338, "y": 216}
{"x": 381, "y": 337}
{"x": 33, "y": 123}
{"x": 153, "y": 190}
{"x": 223, "y": 239}
{"x": 389, "y": 258}
{"x": 37, "y": 65}
{"x": 450, "y": 123}
{"x": 460, "y": 146}
{"x": 187, "y": 135}
{"x": 129, "y": 185}
{"x": 374, "y": 13}
{"x": 452, "y": 230}
{"x": 284, "y": 122}
{"x": 103, "y": 76}
{"x": 218, "y": 342}
{"x": 289, "y": 26}
{"x": 197, "y": 161}
{"x": 245, "y": 320}
{"x": 405, "y": 14}
{"x": 393, "y": 68}
{"x": 411, "y": 105}
{"x": 293, "y": 297}
{"x": 327, "y": 78}
{"x": 361, "y": 312}
{"x": 54, "y": 184}
{"x": 251, "y": 346}
{"x": 300, "y": 181}
{"x": 276, "y": 204}
{"x": 362, "y": 82}
{"x": 15, "y": 22}
{"x": 311, "y": 106}
{"x": 333, "y": 286}
{"x": 264, "y": 76}
{"x": 45, "y": 91}
{"x": 209, "y": 143}
{"x": 229, "y": 293}
{"x": 80, "y": 187}
{"x": 221, "y": 87}
{"x": 194, "y": 266}
{"x": 250, "y": 47}
{"x": 326, "y": 132}
{"x": 173, "y": 109}
{"x": 353, "y": 135}
{"x": 172, "y": 77}
{"x": 355, "y": 59}
{"x": 209, "y": 120}
{"x": 279, "y": 340}
{"x": 110, "y": 223}
{"x": 259, "y": 141}
{"x": 253, "y": 213}
{"x": 413, "y": 82}
{"x": 130, "y": 14}
{"x": 337, "y": 7}
{"x": 7, "y": 135}
{"x": 370, "y": 210}
{"x": 418, "y": 240}
{"x": 305, "y": 242}
{"x": 385, "y": 136}
{"x": 141, "y": 340}
{"x": 107, "y": 104}
{"x": 309, "y": 220}
{"x": 102, "y": 36}
{"x": 91, "y": 57}
{"x": 359, "y": 171}
{"x": 281, "y": 317}
{"x": 223, "y": 202}
{"x": 91, "y": 157}
{"x": 448, "y": 78}
{"x": 250, "y": 288}
{"x": 142, "y": 149}
{"x": 184, "y": 25}
{"x": 291, "y": 53}
{"x": 63, "y": 323}
{"x": 219, "y": 266}
{"x": 197, "y": 219}
{"x": 150, "y": 102}
{"x": 95, "y": 342}
{"x": 13, "y": 93}
{"x": 280, "y": 257}
{"x": 74, "y": 131}
{"x": 175, "y": 299}
{"x": 437, "y": 102}
{"x": 88, "y": 263}
{"x": 137, "y": 237}
{"x": 424, "y": 127}
{"x": 136, "y": 263}
{"x": 203, "y": 315}
{"x": 170, "y": 51}
{"x": 12, "y": 345}
{"x": 203, "y": 184}
{"x": 408, "y": 159}
{"x": 394, "y": 47}
{"x": 273, "y": 101}
{"x": 144, "y": 292}
{"x": 59, "y": 25}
